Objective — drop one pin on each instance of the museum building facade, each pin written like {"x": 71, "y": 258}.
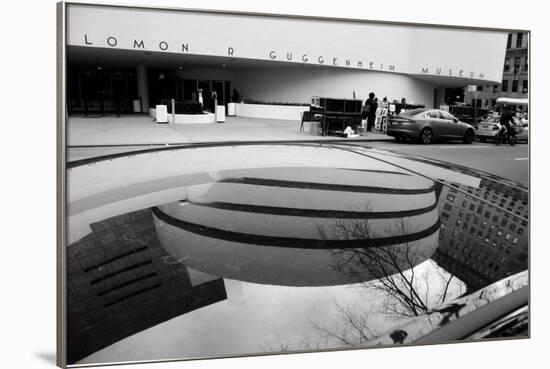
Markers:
{"x": 119, "y": 55}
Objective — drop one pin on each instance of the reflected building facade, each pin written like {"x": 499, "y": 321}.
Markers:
{"x": 480, "y": 243}
{"x": 121, "y": 281}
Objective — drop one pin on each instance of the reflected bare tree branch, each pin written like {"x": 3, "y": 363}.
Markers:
{"x": 407, "y": 292}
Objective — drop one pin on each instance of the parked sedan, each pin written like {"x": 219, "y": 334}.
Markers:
{"x": 427, "y": 125}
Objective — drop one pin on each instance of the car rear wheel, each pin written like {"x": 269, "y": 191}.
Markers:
{"x": 469, "y": 137}
{"x": 426, "y": 136}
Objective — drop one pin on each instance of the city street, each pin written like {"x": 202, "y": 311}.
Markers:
{"x": 507, "y": 161}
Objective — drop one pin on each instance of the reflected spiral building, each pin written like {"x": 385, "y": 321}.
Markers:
{"x": 282, "y": 225}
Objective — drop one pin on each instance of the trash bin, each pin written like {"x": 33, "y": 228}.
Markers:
{"x": 162, "y": 113}
{"x": 315, "y": 128}
{"x": 231, "y": 109}
{"x": 220, "y": 114}
{"x": 136, "y": 105}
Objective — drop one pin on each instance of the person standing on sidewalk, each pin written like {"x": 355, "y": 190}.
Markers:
{"x": 371, "y": 106}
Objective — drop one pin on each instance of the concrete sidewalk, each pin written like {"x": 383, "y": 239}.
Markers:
{"x": 141, "y": 130}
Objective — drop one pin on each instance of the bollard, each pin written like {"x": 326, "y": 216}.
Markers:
{"x": 173, "y": 111}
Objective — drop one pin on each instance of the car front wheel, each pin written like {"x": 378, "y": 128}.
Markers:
{"x": 426, "y": 136}
{"x": 469, "y": 137}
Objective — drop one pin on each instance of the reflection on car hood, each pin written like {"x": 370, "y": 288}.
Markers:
{"x": 294, "y": 237}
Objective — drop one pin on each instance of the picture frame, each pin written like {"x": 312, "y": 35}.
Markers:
{"x": 62, "y": 168}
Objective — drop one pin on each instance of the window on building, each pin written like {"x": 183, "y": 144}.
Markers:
{"x": 505, "y": 85}
{"x": 525, "y": 87}
{"x": 519, "y": 40}
{"x": 526, "y": 65}
{"x": 509, "y": 42}
{"x": 495, "y": 88}
{"x": 479, "y": 88}
{"x": 507, "y": 64}
{"x": 515, "y": 85}
{"x": 517, "y": 65}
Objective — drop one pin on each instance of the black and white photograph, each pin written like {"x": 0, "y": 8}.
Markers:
{"x": 207, "y": 184}
{"x": 245, "y": 183}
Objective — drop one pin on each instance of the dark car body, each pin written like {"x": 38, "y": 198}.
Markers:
{"x": 428, "y": 125}
{"x": 439, "y": 252}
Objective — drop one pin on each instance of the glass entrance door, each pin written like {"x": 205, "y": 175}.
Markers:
{"x": 206, "y": 88}
{"x": 218, "y": 87}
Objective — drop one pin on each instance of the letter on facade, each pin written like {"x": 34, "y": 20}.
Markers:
{"x": 230, "y": 51}
{"x": 184, "y": 47}
{"x": 320, "y": 60}
{"x": 272, "y": 55}
{"x": 392, "y": 68}
{"x": 334, "y": 61}
{"x": 288, "y": 56}
{"x": 163, "y": 45}
{"x": 371, "y": 65}
{"x": 139, "y": 45}
{"x": 111, "y": 41}
{"x": 425, "y": 71}
{"x": 304, "y": 58}
{"x": 86, "y": 40}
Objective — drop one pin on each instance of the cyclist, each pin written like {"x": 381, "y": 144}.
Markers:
{"x": 506, "y": 125}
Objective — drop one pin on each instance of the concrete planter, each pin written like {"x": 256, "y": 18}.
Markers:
{"x": 187, "y": 118}
{"x": 205, "y": 118}
{"x": 284, "y": 112}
